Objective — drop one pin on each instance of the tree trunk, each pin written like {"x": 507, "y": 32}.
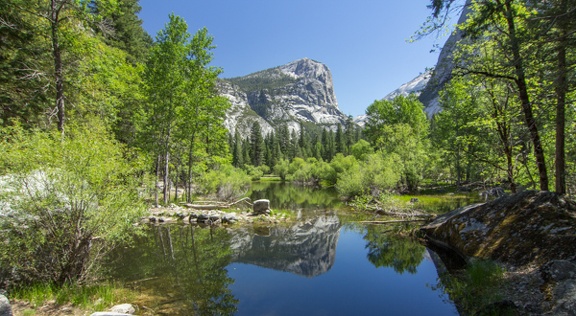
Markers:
{"x": 157, "y": 183}
{"x": 189, "y": 173}
{"x": 525, "y": 98}
{"x": 561, "y": 88}
{"x": 166, "y": 177}
{"x": 57, "y": 54}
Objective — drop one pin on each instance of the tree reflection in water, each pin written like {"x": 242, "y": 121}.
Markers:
{"x": 389, "y": 248}
{"x": 181, "y": 269}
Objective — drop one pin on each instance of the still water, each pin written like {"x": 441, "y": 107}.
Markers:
{"x": 356, "y": 277}
{"x": 316, "y": 266}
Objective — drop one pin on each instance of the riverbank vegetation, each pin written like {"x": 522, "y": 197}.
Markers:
{"x": 97, "y": 119}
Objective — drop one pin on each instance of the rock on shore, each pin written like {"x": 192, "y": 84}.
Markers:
{"x": 532, "y": 233}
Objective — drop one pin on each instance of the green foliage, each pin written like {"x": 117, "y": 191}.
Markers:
{"x": 378, "y": 173}
{"x": 399, "y": 127}
{"x": 182, "y": 126}
{"x": 68, "y": 199}
{"x": 226, "y": 182}
{"x": 282, "y": 169}
{"x": 361, "y": 149}
{"x": 401, "y": 110}
{"x": 351, "y": 182}
{"x": 255, "y": 173}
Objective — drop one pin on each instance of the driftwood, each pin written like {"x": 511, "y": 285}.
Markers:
{"x": 404, "y": 214}
{"x": 215, "y": 205}
{"x": 395, "y": 221}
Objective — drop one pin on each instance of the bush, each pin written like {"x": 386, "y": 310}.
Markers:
{"x": 226, "y": 182}
{"x": 255, "y": 173}
{"x": 65, "y": 202}
{"x": 282, "y": 169}
{"x": 377, "y": 174}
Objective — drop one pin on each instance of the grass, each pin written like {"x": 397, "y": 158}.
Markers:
{"x": 477, "y": 288}
{"x": 271, "y": 178}
{"x": 88, "y": 297}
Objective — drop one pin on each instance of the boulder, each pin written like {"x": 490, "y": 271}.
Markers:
{"x": 109, "y": 314}
{"x": 203, "y": 219}
{"x": 531, "y": 232}
{"x": 5, "y": 308}
{"x": 229, "y": 218}
{"x": 529, "y": 228}
{"x": 261, "y": 207}
{"x": 123, "y": 309}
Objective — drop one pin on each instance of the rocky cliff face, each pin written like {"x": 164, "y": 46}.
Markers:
{"x": 443, "y": 70}
{"x": 240, "y": 116}
{"x": 415, "y": 85}
{"x": 428, "y": 85}
{"x": 299, "y": 91}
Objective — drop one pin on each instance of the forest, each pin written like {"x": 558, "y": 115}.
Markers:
{"x": 99, "y": 121}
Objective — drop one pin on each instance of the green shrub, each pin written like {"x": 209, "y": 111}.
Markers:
{"x": 226, "y": 182}
{"x": 282, "y": 169}
{"x": 65, "y": 201}
{"x": 351, "y": 182}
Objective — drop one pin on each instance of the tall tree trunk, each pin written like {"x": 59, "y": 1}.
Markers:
{"x": 525, "y": 98}
{"x": 561, "y": 88}
{"x": 176, "y": 183}
{"x": 55, "y": 8}
{"x": 157, "y": 184}
{"x": 166, "y": 177}
{"x": 189, "y": 173}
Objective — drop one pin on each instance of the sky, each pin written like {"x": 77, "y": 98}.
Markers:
{"x": 364, "y": 43}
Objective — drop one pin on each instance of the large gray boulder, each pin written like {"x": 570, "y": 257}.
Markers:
{"x": 261, "y": 207}
{"x": 5, "y": 308}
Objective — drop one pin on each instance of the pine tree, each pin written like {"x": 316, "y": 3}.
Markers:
{"x": 339, "y": 140}
{"x": 256, "y": 145}
{"x": 237, "y": 156}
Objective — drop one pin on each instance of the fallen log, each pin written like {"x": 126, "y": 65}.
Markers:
{"x": 403, "y": 214}
{"x": 394, "y": 221}
{"x": 215, "y": 204}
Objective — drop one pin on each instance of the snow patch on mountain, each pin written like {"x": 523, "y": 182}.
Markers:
{"x": 415, "y": 86}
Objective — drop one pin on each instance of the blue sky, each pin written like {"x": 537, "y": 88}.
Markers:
{"x": 363, "y": 42}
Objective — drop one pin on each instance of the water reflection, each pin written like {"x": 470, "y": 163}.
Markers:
{"x": 389, "y": 249}
{"x": 291, "y": 197}
{"x": 181, "y": 270}
{"x": 307, "y": 248}
{"x": 187, "y": 270}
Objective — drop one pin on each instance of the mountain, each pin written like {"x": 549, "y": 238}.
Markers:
{"x": 428, "y": 85}
{"x": 443, "y": 70}
{"x": 415, "y": 85}
{"x": 298, "y": 91}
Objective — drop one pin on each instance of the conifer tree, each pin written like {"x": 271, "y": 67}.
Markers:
{"x": 256, "y": 145}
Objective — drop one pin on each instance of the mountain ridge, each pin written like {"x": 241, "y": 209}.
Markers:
{"x": 299, "y": 91}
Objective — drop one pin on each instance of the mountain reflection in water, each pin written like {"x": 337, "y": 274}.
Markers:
{"x": 307, "y": 248}
{"x": 256, "y": 270}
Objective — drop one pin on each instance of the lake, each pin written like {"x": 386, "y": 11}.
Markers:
{"x": 316, "y": 266}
